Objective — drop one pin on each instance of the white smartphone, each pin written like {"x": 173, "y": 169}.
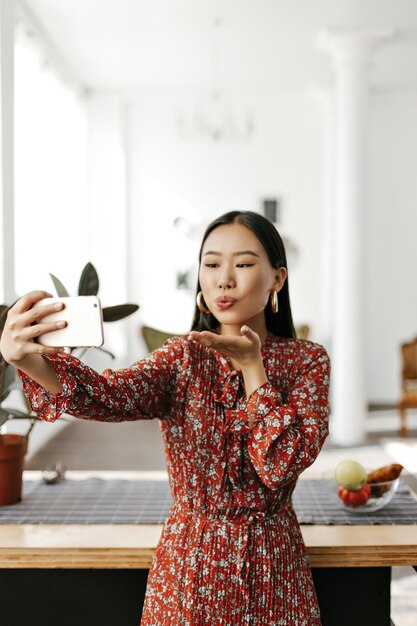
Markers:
{"x": 84, "y": 319}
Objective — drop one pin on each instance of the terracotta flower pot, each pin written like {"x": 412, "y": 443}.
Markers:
{"x": 12, "y": 458}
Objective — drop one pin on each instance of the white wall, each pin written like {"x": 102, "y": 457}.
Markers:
{"x": 167, "y": 176}
{"x": 50, "y": 175}
{"x": 107, "y": 220}
{"x": 285, "y": 159}
{"x": 171, "y": 176}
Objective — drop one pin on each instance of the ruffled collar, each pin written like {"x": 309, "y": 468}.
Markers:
{"x": 228, "y": 391}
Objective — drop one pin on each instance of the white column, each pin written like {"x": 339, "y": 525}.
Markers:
{"x": 7, "y": 278}
{"x": 352, "y": 53}
{"x": 325, "y": 98}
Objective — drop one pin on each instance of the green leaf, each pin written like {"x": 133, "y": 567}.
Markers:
{"x": 118, "y": 312}
{"x": 10, "y": 377}
{"x": 16, "y": 413}
{"x": 4, "y": 416}
{"x": 60, "y": 289}
{"x": 16, "y": 384}
{"x": 26, "y": 401}
{"x": 89, "y": 282}
{"x": 3, "y": 314}
{"x": 10, "y": 380}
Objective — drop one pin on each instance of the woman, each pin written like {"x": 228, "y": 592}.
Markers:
{"x": 243, "y": 408}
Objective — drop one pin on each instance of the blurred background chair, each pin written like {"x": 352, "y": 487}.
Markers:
{"x": 302, "y": 331}
{"x": 155, "y": 338}
{"x": 408, "y": 382}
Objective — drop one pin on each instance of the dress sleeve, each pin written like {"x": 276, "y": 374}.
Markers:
{"x": 142, "y": 391}
{"x": 285, "y": 437}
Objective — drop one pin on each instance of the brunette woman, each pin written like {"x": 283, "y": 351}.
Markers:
{"x": 243, "y": 409}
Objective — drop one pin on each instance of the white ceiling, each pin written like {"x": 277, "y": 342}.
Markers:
{"x": 262, "y": 45}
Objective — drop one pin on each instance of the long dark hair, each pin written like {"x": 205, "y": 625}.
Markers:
{"x": 279, "y": 324}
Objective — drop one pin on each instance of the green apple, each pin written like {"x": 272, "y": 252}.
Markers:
{"x": 351, "y": 475}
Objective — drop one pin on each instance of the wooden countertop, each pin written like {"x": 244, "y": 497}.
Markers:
{"x": 119, "y": 546}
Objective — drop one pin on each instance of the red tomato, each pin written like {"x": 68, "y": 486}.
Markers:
{"x": 355, "y": 498}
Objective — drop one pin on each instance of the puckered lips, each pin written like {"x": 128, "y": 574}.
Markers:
{"x": 225, "y": 302}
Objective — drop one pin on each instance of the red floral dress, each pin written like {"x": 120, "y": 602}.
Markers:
{"x": 231, "y": 552}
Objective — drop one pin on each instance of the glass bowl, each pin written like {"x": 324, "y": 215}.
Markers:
{"x": 381, "y": 494}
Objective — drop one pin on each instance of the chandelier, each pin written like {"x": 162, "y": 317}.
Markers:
{"x": 212, "y": 117}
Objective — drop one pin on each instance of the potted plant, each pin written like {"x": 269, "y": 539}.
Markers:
{"x": 13, "y": 448}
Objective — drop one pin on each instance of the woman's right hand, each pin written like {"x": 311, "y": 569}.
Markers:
{"x": 23, "y": 325}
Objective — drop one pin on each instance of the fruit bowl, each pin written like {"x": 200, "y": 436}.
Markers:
{"x": 381, "y": 494}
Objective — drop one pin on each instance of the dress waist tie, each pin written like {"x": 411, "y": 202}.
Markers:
{"x": 243, "y": 521}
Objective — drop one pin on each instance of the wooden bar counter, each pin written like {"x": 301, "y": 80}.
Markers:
{"x": 132, "y": 546}
{"x": 360, "y": 556}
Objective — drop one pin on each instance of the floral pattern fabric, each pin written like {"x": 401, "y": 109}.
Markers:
{"x": 231, "y": 551}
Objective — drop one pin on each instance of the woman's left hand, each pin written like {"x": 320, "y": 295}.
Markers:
{"x": 246, "y": 350}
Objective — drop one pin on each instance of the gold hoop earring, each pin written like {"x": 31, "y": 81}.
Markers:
{"x": 200, "y": 304}
{"x": 274, "y": 301}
